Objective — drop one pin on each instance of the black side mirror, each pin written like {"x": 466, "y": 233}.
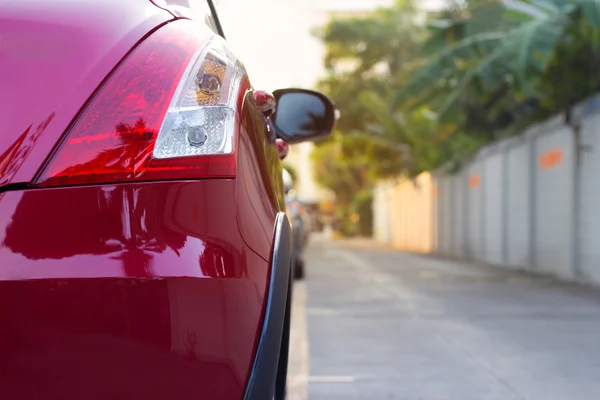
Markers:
{"x": 302, "y": 115}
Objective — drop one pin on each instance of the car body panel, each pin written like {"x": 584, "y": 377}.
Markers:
{"x": 129, "y": 290}
{"x": 147, "y": 278}
{"x": 260, "y": 194}
{"x": 53, "y": 56}
{"x": 122, "y": 339}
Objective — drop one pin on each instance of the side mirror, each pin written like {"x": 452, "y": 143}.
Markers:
{"x": 302, "y": 115}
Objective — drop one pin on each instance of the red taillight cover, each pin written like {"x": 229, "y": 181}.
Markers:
{"x": 113, "y": 138}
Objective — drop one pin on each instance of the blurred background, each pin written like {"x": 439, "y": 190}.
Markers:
{"x": 319, "y": 44}
{"x": 468, "y": 130}
{"x": 460, "y": 118}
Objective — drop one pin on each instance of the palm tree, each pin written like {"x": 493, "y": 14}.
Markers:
{"x": 498, "y": 54}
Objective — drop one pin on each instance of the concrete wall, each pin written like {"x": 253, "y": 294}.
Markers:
{"x": 404, "y": 214}
{"x": 529, "y": 202}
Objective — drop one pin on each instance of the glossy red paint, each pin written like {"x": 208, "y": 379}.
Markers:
{"x": 54, "y": 55}
{"x": 260, "y": 194}
{"x": 127, "y": 291}
{"x": 265, "y": 101}
{"x": 113, "y": 139}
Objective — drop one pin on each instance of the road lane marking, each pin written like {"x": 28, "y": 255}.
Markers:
{"x": 299, "y": 363}
{"x": 331, "y": 379}
{"x": 321, "y": 311}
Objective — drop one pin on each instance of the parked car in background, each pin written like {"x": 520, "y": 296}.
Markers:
{"x": 144, "y": 248}
{"x": 301, "y": 224}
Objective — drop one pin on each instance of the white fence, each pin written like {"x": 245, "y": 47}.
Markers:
{"x": 531, "y": 202}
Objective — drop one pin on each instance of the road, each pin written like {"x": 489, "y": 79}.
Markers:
{"x": 374, "y": 323}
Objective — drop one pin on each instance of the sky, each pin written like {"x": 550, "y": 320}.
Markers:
{"x": 274, "y": 42}
{"x": 273, "y": 37}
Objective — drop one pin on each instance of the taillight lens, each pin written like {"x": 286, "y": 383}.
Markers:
{"x": 167, "y": 112}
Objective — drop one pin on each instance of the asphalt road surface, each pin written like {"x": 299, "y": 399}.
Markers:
{"x": 373, "y": 323}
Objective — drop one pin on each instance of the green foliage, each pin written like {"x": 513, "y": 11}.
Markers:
{"x": 386, "y": 36}
{"x": 572, "y": 73}
{"x": 509, "y": 60}
{"x": 362, "y": 205}
{"x": 347, "y": 164}
{"x": 361, "y": 54}
{"x": 344, "y": 89}
{"x": 435, "y": 93}
{"x": 291, "y": 170}
{"x": 350, "y": 164}
{"x": 418, "y": 137}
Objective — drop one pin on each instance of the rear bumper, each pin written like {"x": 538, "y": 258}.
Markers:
{"x": 128, "y": 291}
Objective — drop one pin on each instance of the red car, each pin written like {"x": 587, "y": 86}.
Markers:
{"x": 144, "y": 248}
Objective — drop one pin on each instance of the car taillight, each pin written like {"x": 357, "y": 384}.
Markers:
{"x": 169, "y": 111}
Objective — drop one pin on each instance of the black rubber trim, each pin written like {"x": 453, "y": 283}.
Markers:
{"x": 215, "y": 16}
{"x": 163, "y": 8}
{"x": 261, "y": 385}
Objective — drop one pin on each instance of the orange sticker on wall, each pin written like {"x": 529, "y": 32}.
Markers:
{"x": 436, "y": 192}
{"x": 551, "y": 159}
{"x": 474, "y": 180}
